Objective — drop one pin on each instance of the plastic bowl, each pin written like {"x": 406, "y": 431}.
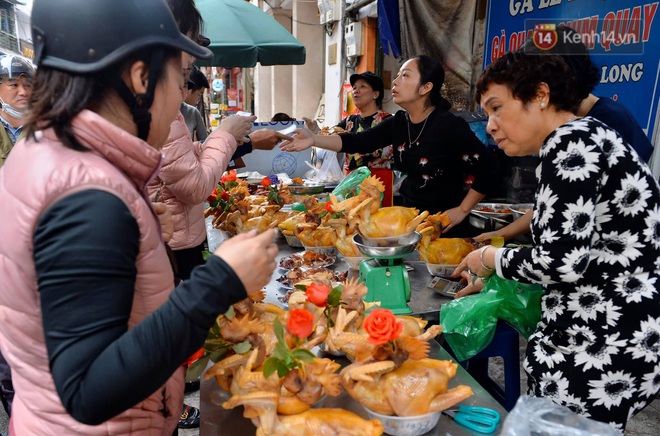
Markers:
{"x": 329, "y": 250}
{"x": 440, "y": 270}
{"x": 354, "y": 262}
{"x": 407, "y": 425}
{"x": 293, "y": 241}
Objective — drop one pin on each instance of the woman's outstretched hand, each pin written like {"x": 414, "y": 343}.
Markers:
{"x": 252, "y": 257}
{"x": 302, "y": 140}
{"x": 238, "y": 126}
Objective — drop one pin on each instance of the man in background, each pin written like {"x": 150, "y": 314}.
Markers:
{"x": 189, "y": 108}
{"x": 15, "y": 88}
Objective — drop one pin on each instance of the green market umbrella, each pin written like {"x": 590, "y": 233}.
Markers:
{"x": 243, "y": 35}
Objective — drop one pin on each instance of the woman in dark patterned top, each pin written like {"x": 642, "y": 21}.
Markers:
{"x": 432, "y": 146}
{"x": 368, "y": 93}
{"x": 596, "y": 243}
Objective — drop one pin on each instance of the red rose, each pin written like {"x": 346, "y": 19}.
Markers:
{"x": 382, "y": 326}
{"x": 317, "y": 294}
{"x": 225, "y": 195}
{"x": 328, "y": 207}
{"x": 215, "y": 192}
{"x": 229, "y": 176}
{"x": 300, "y": 323}
{"x": 265, "y": 182}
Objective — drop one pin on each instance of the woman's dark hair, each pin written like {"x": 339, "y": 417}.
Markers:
{"x": 431, "y": 70}
{"x": 187, "y": 17}
{"x": 523, "y": 73}
{"x": 58, "y": 97}
{"x": 281, "y": 116}
{"x": 576, "y": 55}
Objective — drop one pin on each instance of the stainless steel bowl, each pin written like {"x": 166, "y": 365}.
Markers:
{"x": 521, "y": 209}
{"x": 407, "y": 246}
{"x": 307, "y": 188}
{"x": 489, "y": 221}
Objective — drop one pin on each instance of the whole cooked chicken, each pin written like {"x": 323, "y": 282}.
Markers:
{"x": 443, "y": 251}
{"x": 313, "y": 422}
{"x": 389, "y": 221}
{"x": 313, "y": 235}
{"x": 415, "y": 388}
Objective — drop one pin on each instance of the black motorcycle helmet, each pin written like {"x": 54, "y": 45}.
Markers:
{"x": 105, "y": 33}
{"x": 12, "y": 66}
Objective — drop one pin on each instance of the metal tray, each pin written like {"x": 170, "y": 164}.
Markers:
{"x": 307, "y": 188}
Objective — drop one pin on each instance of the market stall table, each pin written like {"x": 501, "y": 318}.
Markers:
{"x": 424, "y": 303}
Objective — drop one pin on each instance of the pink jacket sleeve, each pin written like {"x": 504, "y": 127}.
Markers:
{"x": 190, "y": 171}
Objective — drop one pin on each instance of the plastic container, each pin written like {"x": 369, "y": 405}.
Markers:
{"x": 440, "y": 270}
{"x": 407, "y": 425}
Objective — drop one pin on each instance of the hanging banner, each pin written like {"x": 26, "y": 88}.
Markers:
{"x": 622, "y": 35}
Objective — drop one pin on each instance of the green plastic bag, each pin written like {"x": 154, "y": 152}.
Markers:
{"x": 349, "y": 186}
{"x": 469, "y": 323}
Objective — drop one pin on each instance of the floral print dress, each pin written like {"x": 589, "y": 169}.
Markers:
{"x": 596, "y": 233}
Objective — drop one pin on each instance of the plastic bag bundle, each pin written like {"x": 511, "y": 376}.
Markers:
{"x": 534, "y": 416}
{"x": 349, "y": 186}
{"x": 469, "y": 323}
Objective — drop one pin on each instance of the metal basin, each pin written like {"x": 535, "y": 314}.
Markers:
{"x": 521, "y": 209}
{"x": 406, "y": 245}
{"x": 307, "y": 188}
{"x": 491, "y": 216}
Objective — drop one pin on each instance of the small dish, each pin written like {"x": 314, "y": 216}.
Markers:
{"x": 407, "y": 425}
{"x": 306, "y": 259}
{"x": 307, "y": 188}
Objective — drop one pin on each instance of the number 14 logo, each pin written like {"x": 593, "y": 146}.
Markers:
{"x": 545, "y": 36}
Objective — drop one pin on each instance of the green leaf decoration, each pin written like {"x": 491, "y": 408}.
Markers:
{"x": 206, "y": 255}
{"x": 282, "y": 369}
{"x": 301, "y": 287}
{"x": 279, "y": 330}
{"x": 242, "y": 348}
{"x": 270, "y": 366}
{"x": 196, "y": 369}
{"x": 334, "y": 297}
{"x": 217, "y": 356}
{"x": 280, "y": 351}
{"x": 230, "y": 313}
{"x": 304, "y": 355}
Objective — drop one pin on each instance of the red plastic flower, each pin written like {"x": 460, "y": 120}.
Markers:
{"x": 229, "y": 176}
{"x": 225, "y": 195}
{"x": 328, "y": 207}
{"x": 317, "y": 294}
{"x": 300, "y": 323}
{"x": 382, "y": 326}
{"x": 265, "y": 182}
{"x": 197, "y": 355}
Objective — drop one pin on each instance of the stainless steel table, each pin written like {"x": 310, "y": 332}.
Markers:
{"x": 424, "y": 302}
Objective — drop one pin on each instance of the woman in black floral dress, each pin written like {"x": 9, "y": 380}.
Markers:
{"x": 436, "y": 149}
{"x": 596, "y": 235}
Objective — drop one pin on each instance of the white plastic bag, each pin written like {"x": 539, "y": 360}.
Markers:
{"x": 330, "y": 170}
{"x": 535, "y": 416}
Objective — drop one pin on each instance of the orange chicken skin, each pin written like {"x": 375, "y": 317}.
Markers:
{"x": 389, "y": 221}
{"x": 415, "y": 388}
{"x": 443, "y": 251}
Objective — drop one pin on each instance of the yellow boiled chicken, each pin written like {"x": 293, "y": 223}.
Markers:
{"x": 389, "y": 221}
{"x": 371, "y": 187}
{"x": 314, "y": 235}
{"x": 344, "y": 241}
{"x": 443, "y": 251}
{"x": 415, "y": 388}
{"x": 313, "y": 422}
{"x": 288, "y": 226}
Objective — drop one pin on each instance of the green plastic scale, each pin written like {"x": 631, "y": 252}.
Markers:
{"x": 385, "y": 274}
